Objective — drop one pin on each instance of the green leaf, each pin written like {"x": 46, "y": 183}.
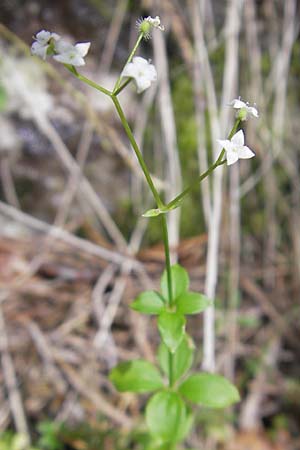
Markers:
{"x": 165, "y": 416}
{"x": 186, "y": 425}
{"x": 180, "y": 282}
{"x": 192, "y": 303}
{"x": 148, "y": 302}
{"x": 182, "y": 358}
{"x": 136, "y": 376}
{"x": 209, "y": 390}
{"x": 172, "y": 328}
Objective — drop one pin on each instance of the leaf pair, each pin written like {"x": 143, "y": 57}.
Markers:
{"x": 171, "y": 324}
{"x": 169, "y": 418}
{"x": 205, "y": 389}
{"x": 185, "y": 301}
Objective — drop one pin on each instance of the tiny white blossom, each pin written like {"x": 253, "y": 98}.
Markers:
{"x": 155, "y": 22}
{"x": 235, "y": 148}
{"x": 71, "y": 54}
{"x": 146, "y": 24}
{"x": 42, "y": 43}
{"x": 244, "y": 110}
{"x": 143, "y": 72}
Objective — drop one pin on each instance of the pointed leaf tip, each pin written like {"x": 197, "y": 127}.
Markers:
{"x": 136, "y": 376}
{"x": 192, "y": 303}
{"x": 148, "y": 302}
{"x": 172, "y": 328}
{"x": 180, "y": 282}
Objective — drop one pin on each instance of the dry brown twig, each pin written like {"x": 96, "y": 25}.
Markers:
{"x": 10, "y": 377}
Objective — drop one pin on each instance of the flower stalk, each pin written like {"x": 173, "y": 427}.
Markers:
{"x": 132, "y": 53}
{"x": 137, "y": 151}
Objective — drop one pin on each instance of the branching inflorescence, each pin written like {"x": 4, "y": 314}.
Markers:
{"x": 169, "y": 413}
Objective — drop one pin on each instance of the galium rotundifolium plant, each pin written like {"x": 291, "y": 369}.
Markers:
{"x": 173, "y": 386}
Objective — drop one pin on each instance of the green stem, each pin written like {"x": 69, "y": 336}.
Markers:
{"x": 205, "y": 174}
{"x": 192, "y": 186}
{"x": 167, "y": 256}
{"x": 137, "y": 151}
{"x": 120, "y": 89}
{"x": 169, "y": 281}
{"x": 118, "y": 82}
{"x": 234, "y": 128}
{"x": 86, "y": 80}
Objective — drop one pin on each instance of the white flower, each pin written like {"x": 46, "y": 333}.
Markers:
{"x": 235, "y": 148}
{"x": 71, "y": 54}
{"x": 146, "y": 24}
{"x": 244, "y": 110}
{"x": 42, "y": 43}
{"x": 142, "y": 71}
{"x": 155, "y": 22}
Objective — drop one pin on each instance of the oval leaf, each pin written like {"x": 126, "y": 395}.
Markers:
{"x": 180, "y": 282}
{"x": 148, "y": 302}
{"x": 136, "y": 376}
{"x": 172, "y": 328}
{"x": 165, "y": 414}
{"x": 186, "y": 425}
{"x": 182, "y": 358}
{"x": 209, "y": 390}
{"x": 192, "y": 303}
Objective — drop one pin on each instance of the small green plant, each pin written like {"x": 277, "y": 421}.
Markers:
{"x": 169, "y": 413}
{"x": 50, "y": 436}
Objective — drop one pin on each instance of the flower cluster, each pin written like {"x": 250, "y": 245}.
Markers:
{"x": 234, "y": 147}
{"x": 51, "y": 44}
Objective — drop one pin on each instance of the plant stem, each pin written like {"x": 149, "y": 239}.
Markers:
{"x": 201, "y": 177}
{"x": 234, "y": 128}
{"x": 167, "y": 256}
{"x": 120, "y": 89}
{"x": 198, "y": 180}
{"x": 118, "y": 82}
{"x": 91, "y": 83}
{"x": 137, "y": 151}
{"x": 169, "y": 281}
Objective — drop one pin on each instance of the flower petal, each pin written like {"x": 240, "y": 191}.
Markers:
{"x": 238, "y": 139}
{"x": 82, "y": 48}
{"x": 245, "y": 152}
{"x": 238, "y": 104}
{"x": 70, "y": 58}
{"x": 232, "y": 157}
{"x": 39, "y": 49}
{"x": 43, "y": 36}
{"x": 225, "y": 143}
{"x": 142, "y": 84}
{"x": 62, "y": 46}
{"x": 128, "y": 71}
{"x": 253, "y": 111}
{"x": 138, "y": 61}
